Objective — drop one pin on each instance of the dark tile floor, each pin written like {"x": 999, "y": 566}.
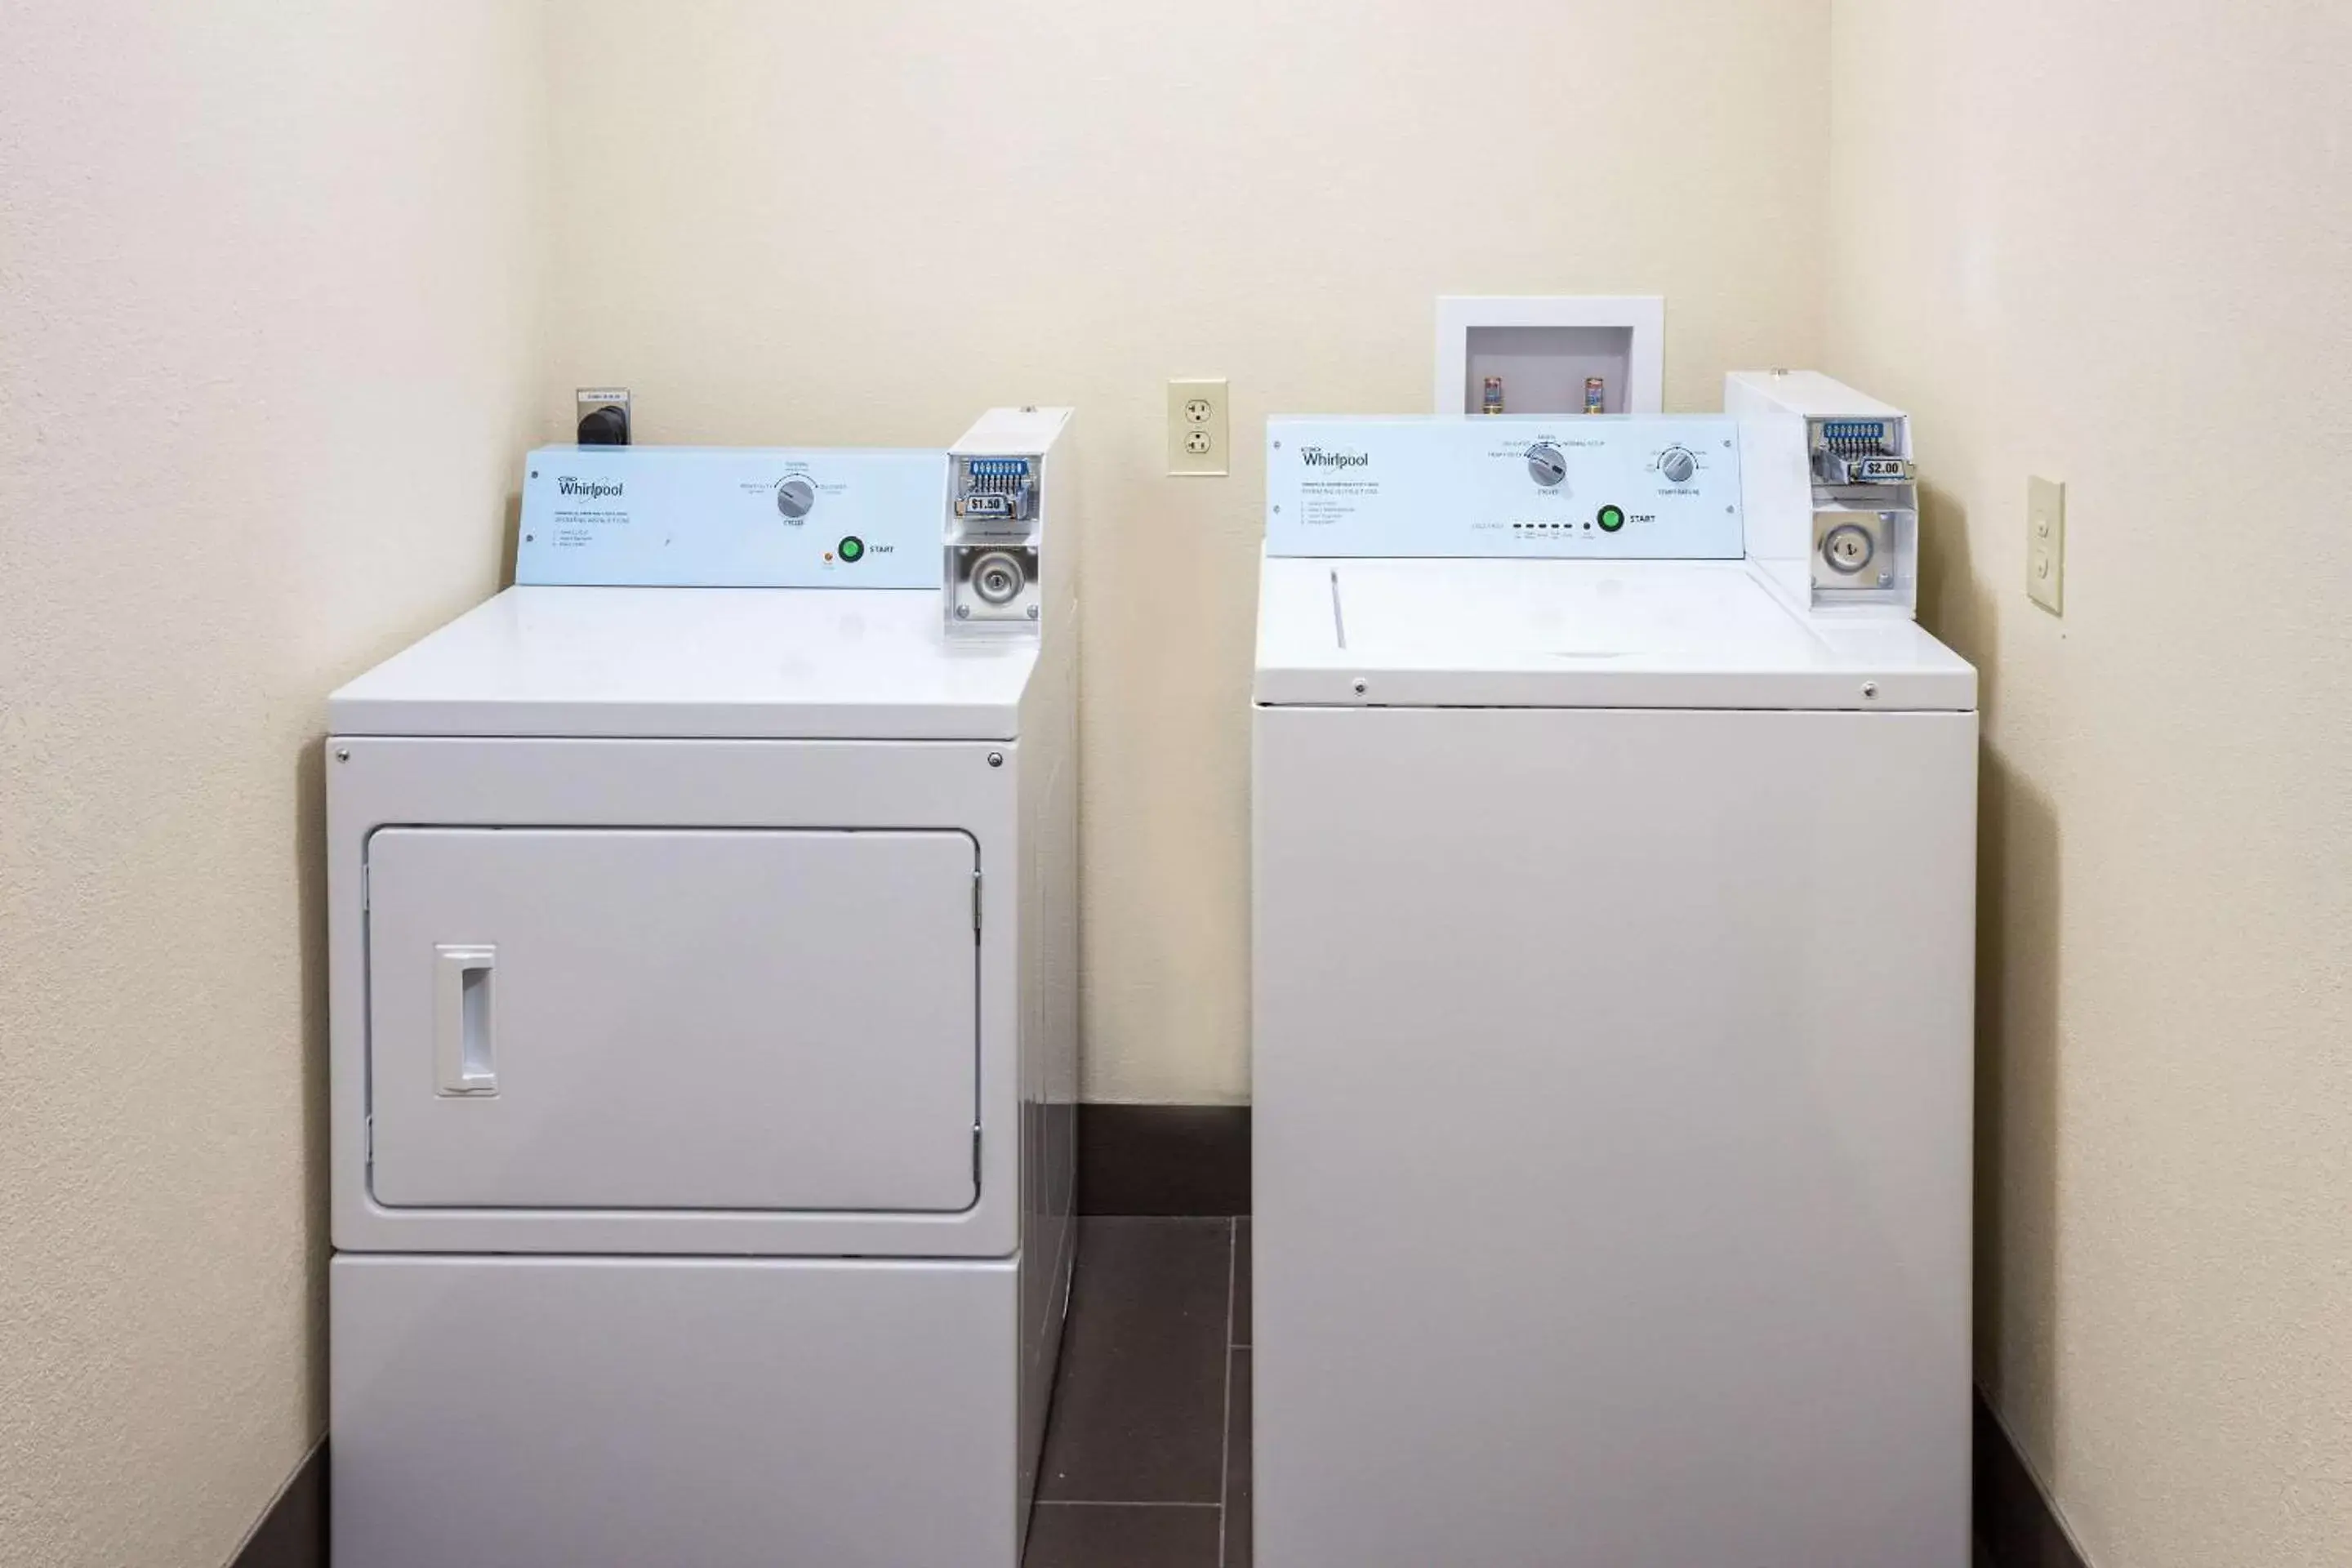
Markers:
{"x": 1147, "y": 1453}
{"x": 1148, "y": 1450}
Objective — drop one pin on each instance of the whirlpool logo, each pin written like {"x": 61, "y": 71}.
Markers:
{"x": 594, "y": 490}
{"x": 1324, "y": 457}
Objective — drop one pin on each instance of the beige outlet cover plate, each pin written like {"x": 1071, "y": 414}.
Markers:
{"x": 2045, "y": 543}
{"x": 1197, "y": 436}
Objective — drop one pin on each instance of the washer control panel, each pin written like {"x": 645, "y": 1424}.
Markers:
{"x": 731, "y": 517}
{"x": 1659, "y": 487}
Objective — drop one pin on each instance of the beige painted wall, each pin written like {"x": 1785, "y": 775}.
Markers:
{"x": 866, "y": 223}
{"x": 2112, "y": 243}
{"x": 237, "y": 245}
{"x": 267, "y": 276}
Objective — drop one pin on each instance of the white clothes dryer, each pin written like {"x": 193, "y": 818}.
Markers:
{"x": 703, "y": 1030}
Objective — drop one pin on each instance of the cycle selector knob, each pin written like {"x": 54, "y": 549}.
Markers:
{"x": 795, "y": 499}
{"x": 1677, "y": 464}
{"x": 1546, "y": 465}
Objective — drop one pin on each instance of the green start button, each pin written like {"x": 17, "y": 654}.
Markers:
{"x": 851, "y": 549}
{"x": 1611, "y": 518}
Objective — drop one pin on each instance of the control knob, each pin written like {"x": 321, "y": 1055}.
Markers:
{"x": 1546, "y": 465}
{"x": 795, "y": 497}
{"x": 1677, "y": 465}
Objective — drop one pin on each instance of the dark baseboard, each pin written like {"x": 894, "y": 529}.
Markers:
{"x": 1164, "y": 1159}
{"x": 293, "y": 1533}
{"x": 2013, "y": 1518}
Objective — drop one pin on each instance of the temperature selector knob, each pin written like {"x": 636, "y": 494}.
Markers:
{"x": 1677, "y": 465}
{"x": 795, "y": 497}
{"x": 1546, "y": 465}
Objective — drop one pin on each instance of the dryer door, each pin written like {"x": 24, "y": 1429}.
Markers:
{"x": 672, "y": 1019}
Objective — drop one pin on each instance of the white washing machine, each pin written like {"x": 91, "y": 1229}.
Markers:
{"x": 1615, "y": 905}
{"x": 703, "y": 1025}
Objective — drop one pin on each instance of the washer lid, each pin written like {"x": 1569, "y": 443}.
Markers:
{"x": 1579, "y": 634}
{"x": 696, "y": 663}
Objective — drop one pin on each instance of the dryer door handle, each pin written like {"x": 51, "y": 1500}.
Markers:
{"x": 464, "y": 1061}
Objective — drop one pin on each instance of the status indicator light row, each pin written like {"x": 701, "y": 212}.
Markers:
{"x": 1610, "y": 518}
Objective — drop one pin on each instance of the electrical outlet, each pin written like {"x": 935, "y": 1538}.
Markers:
{"x": 2045, "y": 543}
{"x": 1196, "y": 427}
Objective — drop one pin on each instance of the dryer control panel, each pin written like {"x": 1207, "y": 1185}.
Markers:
{"x": 731, "y": 517}
{"x": 1645, "y": 487}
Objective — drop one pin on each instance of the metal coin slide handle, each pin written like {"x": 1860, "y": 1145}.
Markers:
{"x": 1848, "y": 547}
{"x": 997, "y": 578}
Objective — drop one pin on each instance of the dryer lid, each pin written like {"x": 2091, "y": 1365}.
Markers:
{"x": 1579, "y": 634}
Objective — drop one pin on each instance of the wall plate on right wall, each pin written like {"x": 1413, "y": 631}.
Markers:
{"x": 2045, "y": 543}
